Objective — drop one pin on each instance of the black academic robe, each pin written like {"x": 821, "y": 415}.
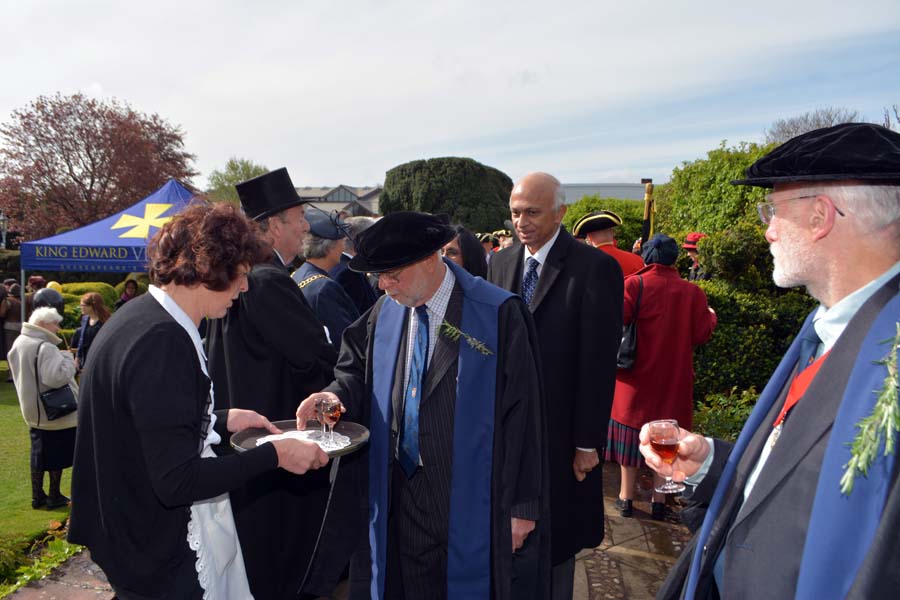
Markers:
{"x": 357, "y": 285}
{"x": 137, "y": 469}
{"x": 267, "y": 354}
{"x": 518, "y": 488}
{"x": 577, "y": 310}
{"x": 763, "y": 538}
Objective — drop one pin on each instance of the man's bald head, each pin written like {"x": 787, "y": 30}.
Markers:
{"x": 536, "y": 207}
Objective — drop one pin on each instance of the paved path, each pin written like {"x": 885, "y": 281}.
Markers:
{"x": 632, "y": 561}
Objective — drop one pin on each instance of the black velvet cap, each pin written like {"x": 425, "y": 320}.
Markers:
{"x": 660, "y": 249}
{"x": 596, "y": 221}
{"x": 324, "y": 225}
{"x": 400, "y": 239}
{"x": 268, "y": 194}
{"x": 852, "y": 151}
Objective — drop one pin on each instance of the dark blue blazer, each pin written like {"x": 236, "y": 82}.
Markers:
{"x": 329, "y": 301}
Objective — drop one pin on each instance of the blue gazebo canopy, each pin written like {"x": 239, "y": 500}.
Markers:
{"x": 117, "y": 243}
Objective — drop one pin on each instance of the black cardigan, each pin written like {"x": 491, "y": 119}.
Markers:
{"x": 137, "y": 458}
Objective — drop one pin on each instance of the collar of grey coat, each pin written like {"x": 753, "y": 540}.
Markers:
{"x": 815, "y": 412}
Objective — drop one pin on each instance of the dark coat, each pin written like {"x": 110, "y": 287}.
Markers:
{"x": 329, "y": 301}
{"x": 357, "y": 285}
{"x": 517, "y": 457}
{"x": 268, "y": 354}
{"x": 763, "y": 538}
{"x": 137, "y": 462}
{"x": 577, "y": 309}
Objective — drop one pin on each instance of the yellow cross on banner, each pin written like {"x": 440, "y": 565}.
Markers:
{"x": 140, "y": 226}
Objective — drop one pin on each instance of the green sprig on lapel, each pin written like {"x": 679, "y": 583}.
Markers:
{"x": 454, "y": 333}
{"x": 884, "y": 422}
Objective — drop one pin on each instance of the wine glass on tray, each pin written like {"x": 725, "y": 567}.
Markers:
{"x": 328, "y": 413}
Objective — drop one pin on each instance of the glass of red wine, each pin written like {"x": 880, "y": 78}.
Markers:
{"x": 328, "y": 413}
{"x": 664, "y": 441}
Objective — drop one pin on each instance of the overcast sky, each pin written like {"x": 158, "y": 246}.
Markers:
{"x": 341, "y": 91}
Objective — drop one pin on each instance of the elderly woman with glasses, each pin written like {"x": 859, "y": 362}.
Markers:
{"x": 150, "y": 495}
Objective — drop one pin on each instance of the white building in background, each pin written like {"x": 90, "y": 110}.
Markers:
{"x": 622, "y": 191}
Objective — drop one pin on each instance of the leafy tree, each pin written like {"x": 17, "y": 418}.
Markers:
{"x": 473, "y": 194}
{"x": 784, "y": 129}
{"x": 221, "y": 183}
{"x": 67, "y": 161}
{"x": 631, "y": 211}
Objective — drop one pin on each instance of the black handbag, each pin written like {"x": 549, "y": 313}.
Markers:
{"x": 57, "y": 402}
{"x": 628, "y": 345}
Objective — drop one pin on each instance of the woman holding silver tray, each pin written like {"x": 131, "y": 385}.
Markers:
{"x": 150, "y": 497}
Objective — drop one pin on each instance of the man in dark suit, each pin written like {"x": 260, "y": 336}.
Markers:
{"x": 357, "y": 285}
{"x": 788, "y": 514}
{"x": 575, "y": 296}
{"x": 268, "y": 351}
{"x": 443, "y": 372}
{"x": 322, "y": 249}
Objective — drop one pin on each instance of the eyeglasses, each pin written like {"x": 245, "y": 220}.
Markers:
{"x": 766, "y": 209}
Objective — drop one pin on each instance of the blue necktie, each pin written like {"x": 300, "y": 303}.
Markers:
{"x": 409, "y": 437}
{"x": 809, "y": 343}
{"x": 529, "y": 281}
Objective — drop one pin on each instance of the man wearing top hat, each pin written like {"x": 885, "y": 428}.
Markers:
{"x": 787, "y": 518}
{"x": 443, "y": 372}
{"x": 322, "y": 249}
{"x": 597, "y": 229}
{"x": 266, "y": 353}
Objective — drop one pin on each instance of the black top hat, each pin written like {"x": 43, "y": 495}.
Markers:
{"x": 268, "y": 194}
{"x": 400, "y": 239}
{"x": 596, "y": 221}
{"x": 324, "y": 225}
{"x": 852, "y": 151}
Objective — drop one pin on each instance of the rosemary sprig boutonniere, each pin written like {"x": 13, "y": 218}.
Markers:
{"x": 454, "y": 333}
{"x": 884, "y": 422}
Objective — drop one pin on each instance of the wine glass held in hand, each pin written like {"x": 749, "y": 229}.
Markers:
{"x": 664, "y": 441}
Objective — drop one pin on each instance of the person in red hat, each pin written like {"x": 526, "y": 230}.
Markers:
{"x": 697, "y": 272}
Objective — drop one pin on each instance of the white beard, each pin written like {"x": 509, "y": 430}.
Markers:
{"x": 794, "y": 259}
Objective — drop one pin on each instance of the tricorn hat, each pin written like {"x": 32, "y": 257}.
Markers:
{"x": 268, "y": 194}
{"x": 596, "y": 221}
{"x": 851, "y": 151}
{"x": 502, "y": 233}
{"x": 400, "y": 239}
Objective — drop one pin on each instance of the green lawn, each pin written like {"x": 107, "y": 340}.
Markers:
{"x": 16, "y": 515}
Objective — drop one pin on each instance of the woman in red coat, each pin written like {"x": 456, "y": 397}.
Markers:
{"x": 673, "y": 318}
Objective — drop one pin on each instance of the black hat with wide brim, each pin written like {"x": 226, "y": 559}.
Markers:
{"x": 596, "y": 221}
{"x": 400, "y": 239}
{"x": 268, "y": 194}
{"x": 848, "y": 152}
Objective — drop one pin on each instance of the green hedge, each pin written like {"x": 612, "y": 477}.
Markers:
{"x": 754, "y": 331}
{"x": 631, "y": 211}
{"x": 722, "y": 416}
{"x": 105, "y": 290}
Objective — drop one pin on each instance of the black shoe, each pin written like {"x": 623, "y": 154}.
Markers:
{"x": 57, "y": 502}
{"x": 39, "y": 502}
{"x": 624, "y": 506}
{"x": 658, "y": 511}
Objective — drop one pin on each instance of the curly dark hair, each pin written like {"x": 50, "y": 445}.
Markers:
{"x": 205, "y": 244}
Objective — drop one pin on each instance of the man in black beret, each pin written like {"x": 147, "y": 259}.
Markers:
{"x": 268, "y": 351}
{"x": 322, "y": 249}
{"x": 442, "y": 371}
{"x": 806, "y": 504}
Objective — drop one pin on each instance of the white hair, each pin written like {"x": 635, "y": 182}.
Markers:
{"x": 874, "y": 206}
{"x": 44, "y": 314}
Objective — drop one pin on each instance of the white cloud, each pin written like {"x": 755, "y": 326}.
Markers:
{"x": 342, "y": 91}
